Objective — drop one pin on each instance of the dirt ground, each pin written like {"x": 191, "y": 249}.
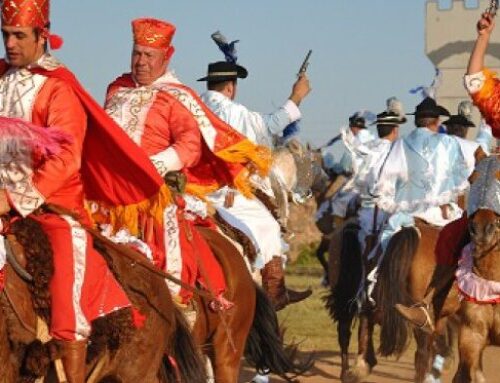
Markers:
{"x": 308, "y": 324}
{"x": 327, "y": 370}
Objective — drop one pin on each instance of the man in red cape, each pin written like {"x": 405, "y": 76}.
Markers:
{"x": 170, "y": 136}
{"x": 99, "y": 163}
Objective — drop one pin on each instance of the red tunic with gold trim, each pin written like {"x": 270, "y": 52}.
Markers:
{"x": 169, "y": 135}
{"x": 225, "y": 153}
{"x": 82, "y": 287}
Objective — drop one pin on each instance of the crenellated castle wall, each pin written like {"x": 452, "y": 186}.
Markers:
{"x": 450, "y": 36}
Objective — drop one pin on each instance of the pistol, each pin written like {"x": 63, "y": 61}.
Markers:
{"x": 493, "y": 8}
{"x": 305, "y": 64}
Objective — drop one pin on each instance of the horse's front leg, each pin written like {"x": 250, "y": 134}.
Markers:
{"x": 362, "y": 367}
{"x": 344, "y": 333}
{"x": 371, "y": 357}
{"x": 471, "y": 343}
{"x": 423, "y": 355}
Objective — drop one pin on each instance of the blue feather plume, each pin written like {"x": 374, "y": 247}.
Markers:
{"x": 228, "y": 48}
{"x": 429, "y": 91}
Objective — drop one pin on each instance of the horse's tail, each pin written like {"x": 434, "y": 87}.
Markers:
{"x": 185, "y": 365}
{"x": 341, "y": 301}
{"x": 392, "y": 288}
{"x": 265, "y": 350}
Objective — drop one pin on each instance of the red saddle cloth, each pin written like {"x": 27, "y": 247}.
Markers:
{"x": 452, "y": 239}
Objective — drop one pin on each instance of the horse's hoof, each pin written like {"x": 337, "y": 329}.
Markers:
{"x": 351, "y": 377}
{"x": 429, "y": 378}
{"x": 260, "y": 379}
{"x": 356, "y": 375}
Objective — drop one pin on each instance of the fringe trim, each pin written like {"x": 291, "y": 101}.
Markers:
{"x": 201, "y": 191}
{"x": 246, "y": 151}
{"x": 472, "y": 287}
{"x": 129, "y": 216}
{"x": 241, "y": 183}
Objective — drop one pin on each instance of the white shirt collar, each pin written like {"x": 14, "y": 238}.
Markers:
{"x": 213, "y": 95}
{"x": 168, "y": 77}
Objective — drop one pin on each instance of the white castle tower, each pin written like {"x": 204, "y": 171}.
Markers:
{"x": 450, "y": 36}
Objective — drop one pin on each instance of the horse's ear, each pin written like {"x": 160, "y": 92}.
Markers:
{"x": 295, "y": 147}
{"x": 473, "y": 177}
{"x": 479, "y": 155}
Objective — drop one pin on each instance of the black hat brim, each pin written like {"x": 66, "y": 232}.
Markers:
{"x": 459, "y": 121}
{"x": 241, "y": 72}
{"x": 391, "y": 122}
{"x": 437, "y": 112}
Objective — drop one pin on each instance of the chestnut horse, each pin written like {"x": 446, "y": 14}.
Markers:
{"x": 479, "y": 323}
{"x": 403, "y": 276}
{"x": 249, "y": 329}
{"x": 118, "y": 352}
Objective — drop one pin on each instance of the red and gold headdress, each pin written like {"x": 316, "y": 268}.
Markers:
{"x": 30, "y": 13}
{"x": 153, "y": 33}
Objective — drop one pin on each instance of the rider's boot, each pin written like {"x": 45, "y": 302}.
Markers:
{"x": 273, "y": 282}
{"x": 422, "y": 314}
{"x": 73, "y": 358}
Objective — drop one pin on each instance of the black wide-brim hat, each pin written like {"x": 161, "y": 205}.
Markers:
{"x": 389, "y": 119}
{"x": 357, "y": 121}
{"x": 429, "y": 108}
{"x": 224, "y": 71}
{"x": 459, "y": 120}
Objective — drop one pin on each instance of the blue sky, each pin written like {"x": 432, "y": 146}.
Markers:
{"x": 363, "y": 51}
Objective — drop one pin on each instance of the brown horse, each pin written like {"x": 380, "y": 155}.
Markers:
{"x": 249, "y": 329}
{"x": 479, "y": 322}
{"x": 404, "y": 275}
{"x": 118, "y": 352}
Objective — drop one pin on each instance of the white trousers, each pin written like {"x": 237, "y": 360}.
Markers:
{"x": 252, "y": 218}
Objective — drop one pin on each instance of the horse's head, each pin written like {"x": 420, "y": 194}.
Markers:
{"x": 293, "y": 165}
{"x": 321, "y": 179}
{"x": 484, "y": 205}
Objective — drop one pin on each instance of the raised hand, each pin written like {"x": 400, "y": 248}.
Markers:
{"x": 300, "y": 89}
{"x": 486, "y": 24}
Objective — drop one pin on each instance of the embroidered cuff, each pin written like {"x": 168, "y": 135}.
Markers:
{"x": 24, "y": 197}
{"x": 167, "y": 161}
{"x": 293, "y": 111}
{"x": 474, "y": 82}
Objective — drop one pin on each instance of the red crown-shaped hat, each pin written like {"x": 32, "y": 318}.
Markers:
{"x": 25, "y": 13}
{"x": 153, "y": 33}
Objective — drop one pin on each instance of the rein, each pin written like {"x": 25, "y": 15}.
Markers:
{"x": 135, "y": 258}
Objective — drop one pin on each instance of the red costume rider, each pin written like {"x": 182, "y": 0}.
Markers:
{"x": 35, "y": 87}
{"x": 142, "y": 103}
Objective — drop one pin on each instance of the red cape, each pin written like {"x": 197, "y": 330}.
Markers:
{"x": 115, "y": 171}
{"x": 225, "y": 164}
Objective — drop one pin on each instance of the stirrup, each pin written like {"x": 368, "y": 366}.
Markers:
{"x": 427, "y": 326}
{"x": 428, "y": 320}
